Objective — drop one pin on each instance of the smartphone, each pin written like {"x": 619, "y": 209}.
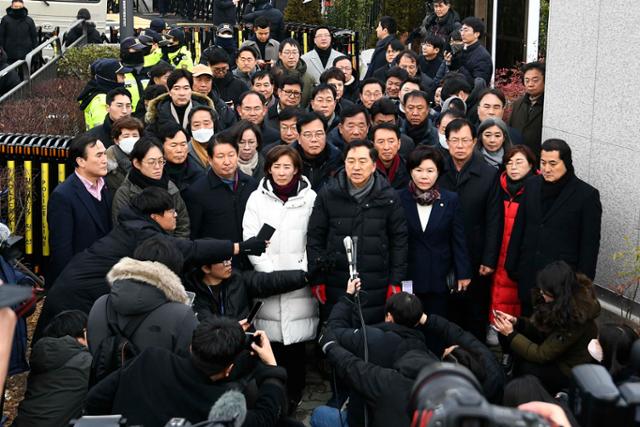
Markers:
{"x": 254, "y": 311}
{"x": 266, "y": 232}
{"x": 191, "y": 296}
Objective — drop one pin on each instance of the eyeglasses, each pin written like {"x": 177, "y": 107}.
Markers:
{"x": 285, "y": 128}
{"x": 226, "y": 262}
{"x": 292, "y": 93}
{"x": 290, "y": 52}
{"x": 460, "y": 141}
{"x": 155, "y": 162}
{"x": 220, "y": 70}
{"x": 317, "y": 135}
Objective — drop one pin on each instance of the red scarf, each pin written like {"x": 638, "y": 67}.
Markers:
{"x": 391, "y": 173}
{"x": 285, "y": 191}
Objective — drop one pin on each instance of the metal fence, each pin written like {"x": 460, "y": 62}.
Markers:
{"x": 31, "y": 166}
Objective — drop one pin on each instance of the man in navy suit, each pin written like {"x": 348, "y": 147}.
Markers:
{"x": 385, "y": 31}
{"x": 79, "y": 210}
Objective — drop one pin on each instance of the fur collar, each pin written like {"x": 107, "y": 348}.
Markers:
{"x": 152, "y": 273}
{"x": 154, "y": 104}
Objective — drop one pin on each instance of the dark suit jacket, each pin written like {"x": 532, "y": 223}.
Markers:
{"x": 74, "y": 222}
{"x": 438, "y": 248}
{"x": 378, "y": 58}
{"x": 569, "y": 231}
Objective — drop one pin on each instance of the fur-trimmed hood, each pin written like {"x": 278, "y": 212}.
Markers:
{"x": 152, "y": 109}
{"x": 129, "y": 293}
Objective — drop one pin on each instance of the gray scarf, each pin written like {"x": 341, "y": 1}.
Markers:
{"x": 185, "y": 119}
{"x": 248, "y": 166}
{"x": 494, "y": 158}
{"x": 360, "y": 193}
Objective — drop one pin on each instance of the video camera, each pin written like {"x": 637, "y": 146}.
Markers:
{"x": 595, "y": 400}
{"x": 448, "y": 395}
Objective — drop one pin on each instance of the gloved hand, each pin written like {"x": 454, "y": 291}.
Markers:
{"x": 253, "y": 246}
{"x": 327, "y": 339}
{"x": 320, "y": 292}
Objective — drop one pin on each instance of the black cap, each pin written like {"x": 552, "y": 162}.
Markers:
{"x": 107, "y": 68}
{"x": 158, "y": 25}
{"x": 177, "y": 35}
{"x": 131, "y": 43}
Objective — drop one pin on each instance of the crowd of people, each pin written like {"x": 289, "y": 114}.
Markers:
{"x": 471, "y": 233}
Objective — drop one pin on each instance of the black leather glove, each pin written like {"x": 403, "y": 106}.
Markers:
{"x": 253, "y": 246}
{"x": 327, "y": 339}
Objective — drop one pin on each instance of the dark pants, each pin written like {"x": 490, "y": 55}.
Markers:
{"x": 433, "y": 303}
{"x": 549, "y": 374}
{"x": 292, "y": 357}
{"x": 470, "y": 309}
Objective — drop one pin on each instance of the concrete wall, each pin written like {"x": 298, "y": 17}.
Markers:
{"x": 592, "y": 100}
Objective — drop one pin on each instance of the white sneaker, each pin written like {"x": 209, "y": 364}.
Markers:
{"x": 492, "y": 337}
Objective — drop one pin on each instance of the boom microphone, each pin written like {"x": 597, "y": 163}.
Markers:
{"x": 230, "y": 410}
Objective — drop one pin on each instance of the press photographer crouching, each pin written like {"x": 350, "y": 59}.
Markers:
{"x": 556, "y": 337}
{"x": 159, "y": 385}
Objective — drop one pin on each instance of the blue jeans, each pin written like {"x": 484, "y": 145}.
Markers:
{"x": 326, "y": 416}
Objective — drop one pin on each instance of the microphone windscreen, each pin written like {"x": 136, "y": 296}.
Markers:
{"x": 229, "y": 410}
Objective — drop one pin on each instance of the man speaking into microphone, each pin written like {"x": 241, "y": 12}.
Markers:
{"x": 359, "y": 203}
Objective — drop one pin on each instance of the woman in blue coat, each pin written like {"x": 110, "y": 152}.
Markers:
{"x": 437, "y": 244}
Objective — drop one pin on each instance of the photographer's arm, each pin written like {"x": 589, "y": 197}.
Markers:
{"x": 101, "y": 396}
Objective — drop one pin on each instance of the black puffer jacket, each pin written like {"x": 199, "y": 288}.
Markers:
{"x": 474, "y": 62}
{"x": 9, "y": 81}
{"x": 442, "y": 27}
{"x": 233, "y": 296}
{"x": 148, "y": 288}
{"x": 224, "y": 12}
{"x": 379, "y": 224}
{"x": 229, "y": 88}
{"x": 57, "y": 384}
{"x": 18, "y": 35}
{"x": 83, "y": 281}
{"x": 322, "y": 168}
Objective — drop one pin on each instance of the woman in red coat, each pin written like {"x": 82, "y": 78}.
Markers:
{"x": 519, "y": 163}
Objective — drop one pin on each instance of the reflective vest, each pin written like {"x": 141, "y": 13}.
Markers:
{"x": 96, "y": 110}
{"x": 135, "y": 87}
{"x": 181, "y": 58}
{"x": 153, "y": 58}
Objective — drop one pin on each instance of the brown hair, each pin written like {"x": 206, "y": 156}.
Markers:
{"x": 126, "y": 123}
{"x": 526, "y": 152}
{"x": 278, "y": 151}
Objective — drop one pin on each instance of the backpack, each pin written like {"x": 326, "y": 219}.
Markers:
{"x": 117, "y": 349}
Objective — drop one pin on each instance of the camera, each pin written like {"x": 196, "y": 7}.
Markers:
{"x": 595, "y": 400}
{"x": 445, "y": 394}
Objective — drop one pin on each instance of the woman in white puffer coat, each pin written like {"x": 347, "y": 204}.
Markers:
{"x": 284, "y": 200}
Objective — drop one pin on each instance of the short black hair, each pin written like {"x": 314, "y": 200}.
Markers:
{"x": 493, "y": 91}
{"x": 416, "y": 94}
{"x": 152, "y": 200}
{"x": 341, "y": 58}
{"x": 457, "y": 124}
{"x": 415, "y": 80}
{"x": 69, "y": 322}
{"x": 332, "y": 73}
{"x": 154, "y": 91}
{"x": 292, "y": 42}
{"x": 111, "y": 95}
{"x": 159, "y": 70}
{"x": 290, "y": 79}
{"x": 216, "y": 343}
{"x": 384, "y": 106}
{"x": 244, "y": 125}
{"x": 249, "y": 93}
{"x": 162, "y": 250}
{"x": 455, "y": 113}
{"x": 195, "y": 109}
{"x": 422, "y": 153}
{"x": 386, "y": 126}
{"x": 321, "y": 88}
{"x": 214, "y": 55}
{"x": 352, "y": 111}
{"x": 78, "y": 147}
{"x": 261, "y": 22}
{"x": 397, "y": 72}
{"x": 397, "y": 45}
{"x": 389, "y": 24}
{"x": 248, "y": 48}
{"x": 178, "y": 74}
{"x": 475, "y": 23}
{"x": 405, "y": 308}
{"x": 168, "y": 129}
{"x": 322, "y": 27}
{"x": 434, "y": 40}
{"x": 142, "y": 147}
{"x": 289, "y": 113}
{"x": 370, "y": 81}
{"x": 309, "y": 117}
{"x": 227, "y": 136}
{"x": 453, "y": 86}
{"x": 259, "y": 75}
{"x": 533, "y": 66}
{"x": 373, "y": 153}
{"x": 407, "y": 52}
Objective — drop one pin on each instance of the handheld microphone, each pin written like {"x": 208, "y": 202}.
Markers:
{"x": 349, "y": 249}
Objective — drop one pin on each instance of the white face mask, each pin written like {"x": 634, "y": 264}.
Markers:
{"x": 126, "y": 144}
{"x": 443, "y": 140}
{"x": 202, "y": 135}
{"x": 595, "y": 350}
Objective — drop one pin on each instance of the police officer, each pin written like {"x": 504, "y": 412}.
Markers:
{"x": 176, "y": 52}
{"x": 132, "y": 53}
